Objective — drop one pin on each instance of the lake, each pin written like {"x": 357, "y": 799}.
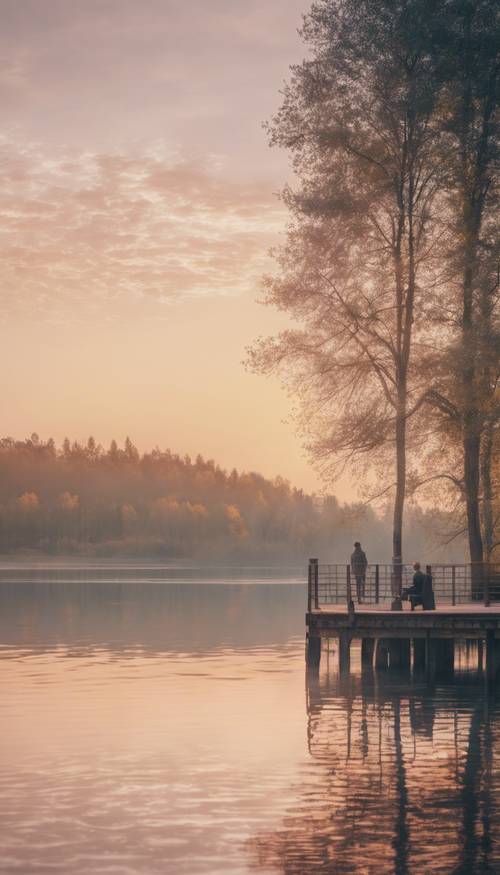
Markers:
{"x": 160, "y": 720}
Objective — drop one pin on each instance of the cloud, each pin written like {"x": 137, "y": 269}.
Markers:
{"x": 117, "y": 70}
{"x": 82, "y": 231}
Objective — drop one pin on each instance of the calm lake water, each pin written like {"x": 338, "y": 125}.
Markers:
{"x": 154, "y": 722}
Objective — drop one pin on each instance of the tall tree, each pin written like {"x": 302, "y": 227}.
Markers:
{"x": 357, "y": 117}
{"x": 466, "y": 41}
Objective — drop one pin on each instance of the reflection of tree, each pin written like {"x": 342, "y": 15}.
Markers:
{"x": 391, "y": 766}
{"x": 469, "y": 794}
{"x": 67, "y": 609}
{"x": 477, "y": 797}
{"x": 488, "y": 799}
{"x": 401, "y": 834}
{"x": 421, "y": 715}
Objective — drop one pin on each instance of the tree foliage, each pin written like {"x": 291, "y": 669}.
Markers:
{"x": 84, "y": 499}
{"x": 386, "y": 231}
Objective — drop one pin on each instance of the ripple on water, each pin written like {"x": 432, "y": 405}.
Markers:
{"x": 130, "y": 743}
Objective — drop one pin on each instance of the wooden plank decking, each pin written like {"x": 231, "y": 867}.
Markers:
{"x": 377, "y": 621}
{"x": 465, "y": 608}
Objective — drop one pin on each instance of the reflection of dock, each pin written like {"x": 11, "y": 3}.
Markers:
{"x": 407, "y": 767}
{"x": 466, "y": 608}
{"x": 402, "y": 775}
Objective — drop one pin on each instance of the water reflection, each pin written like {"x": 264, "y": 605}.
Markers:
{"x": 403, "y": 777}
{"x": 163, "y": 728}
{"x": 141, "y": 723}
{"x": 44, "y": 609}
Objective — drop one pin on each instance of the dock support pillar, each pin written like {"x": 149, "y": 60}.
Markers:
{"x": 405, "y": 654}
{"x": 381, "y": 654}
{"x": 430, "y": 656}
{"x": 399, "y": 654}
{"x": 313, "y": 651}
{"x": 492, "y": 656}
{"x": 344, "y": 651}
{"x": 367, "y": 648}
{"x": 419, "y": 654}
{"x": 496, "y": 652}
{"x": 445, "y": 655}
{"x": 480, "y": 651}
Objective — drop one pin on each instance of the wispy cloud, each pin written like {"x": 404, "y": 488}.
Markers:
{"x": 80, "y": 231}
{"x": 193, "y": 72}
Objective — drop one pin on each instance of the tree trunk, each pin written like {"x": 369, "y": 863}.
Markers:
{"x": 401, "y": 368}
{"x": 471, "y": 480}
{"x": 474, "y": 188}
{"x": 487, "y": 490}
{"x": 399, "y": 501}
{"x": 471, "y": 427}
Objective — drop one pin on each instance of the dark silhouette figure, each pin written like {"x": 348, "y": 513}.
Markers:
{"x": 420, "y": 593}
{"x": 359, "y": 565}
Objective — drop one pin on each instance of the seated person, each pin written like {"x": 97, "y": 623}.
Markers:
{"x": 415, "y": 593}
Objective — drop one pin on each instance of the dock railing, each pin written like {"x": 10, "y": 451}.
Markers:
{"x": 336, "y": 584}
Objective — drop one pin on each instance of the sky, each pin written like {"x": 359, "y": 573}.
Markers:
{"x": 138, "y": 206}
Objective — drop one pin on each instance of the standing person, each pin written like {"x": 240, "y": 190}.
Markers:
{"x": 359, "y": 565}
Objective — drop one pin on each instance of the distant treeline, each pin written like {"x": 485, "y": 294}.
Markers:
{"x": 83, "y": 499}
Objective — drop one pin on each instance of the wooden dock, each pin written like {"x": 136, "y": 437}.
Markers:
{"x": 402, "y": 638}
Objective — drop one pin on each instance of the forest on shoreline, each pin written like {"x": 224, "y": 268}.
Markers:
{"x": 84, "y": 500}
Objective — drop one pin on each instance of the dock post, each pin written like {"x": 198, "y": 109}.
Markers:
{"x": 480, "y": 651}
{"x": 453, "y": 586}
{"x": 399, "y": 654}
{"x": 430, "y": 656}
{"x": 419, "y": 654}
{"x": 445, "y": 655}
{"x": 397, "y": 584}
{"x": 350, "y": 602}
{"x": 492, "y": 656}
{"x": 485, "y": 571}
{"x": 313, "y": 641}
{"x": 381, "y": 653}
{"x": 377, "y": 584}
{"x": 313, "y": 651}
{"x": 405, "y": 654}
{"x": 367, "y": 648}
{"x": 394, "y": 653}
{"x": 496, "y": 655}
{"x": 309, "y": 586}
{"x": 315, "y": 581}
{"x": 344, "y": 651}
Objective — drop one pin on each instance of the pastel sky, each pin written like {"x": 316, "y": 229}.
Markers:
{"x": 138, "y": 204}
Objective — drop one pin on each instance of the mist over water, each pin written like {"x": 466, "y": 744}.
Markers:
{"x": 161, "y": 721}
